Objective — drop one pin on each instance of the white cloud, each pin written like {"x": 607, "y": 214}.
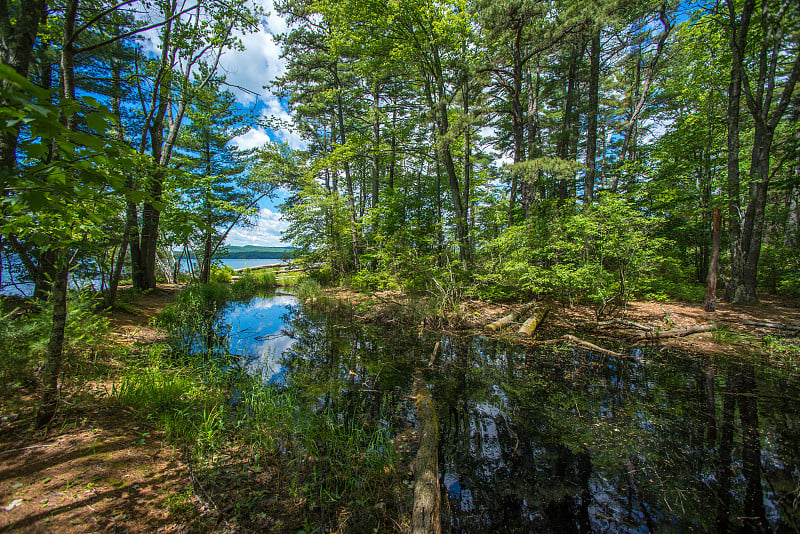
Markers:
{"x": 249, "y": 70}
{"x": 258, "y": 135}
{"x": 252, "y": 138}
{"x": 267, "y": 231}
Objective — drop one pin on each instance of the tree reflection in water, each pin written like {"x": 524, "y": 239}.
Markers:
{"x": 569, "y": 441}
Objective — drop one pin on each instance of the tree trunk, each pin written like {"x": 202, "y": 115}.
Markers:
{"x": 467, "y": 164}
{"x": 443, "y": 124}
{"x": 55, "y": 346}
{"x": 713, "y": 264}
{"x": 529, "y": 186}
{"x": 347, "y": 176}
{"x": 60, "y": 266}
{"x": 517, "y": 121}
{"x": 426, "y": 516}
{"x": 746, "y": 247}
{"x": 591, "y": 134}
{"x": 562, "y": 150}
{"x": 738, "y": 38}
{"x": 16, "y": 48}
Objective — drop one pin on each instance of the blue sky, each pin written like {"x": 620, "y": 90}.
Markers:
{"x": 252, "y": 68}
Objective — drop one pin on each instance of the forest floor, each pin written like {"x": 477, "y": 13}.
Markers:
{"x": 99, "y": 468}
{"x": 96, "y": 467}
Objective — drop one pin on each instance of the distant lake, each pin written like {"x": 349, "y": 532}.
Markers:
{"x": 241, "y": 263}
{"x": 26, "y": 288}
{"x": 236, "y": 263}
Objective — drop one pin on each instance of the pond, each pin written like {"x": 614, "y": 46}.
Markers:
{"x": 553, "y": 441}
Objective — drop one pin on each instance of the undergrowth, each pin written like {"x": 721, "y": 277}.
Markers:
{"x": 25, "y": 332}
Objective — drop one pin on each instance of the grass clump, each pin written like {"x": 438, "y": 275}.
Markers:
{"x": 251, "y": 282}
{"x": 308, "y": 289}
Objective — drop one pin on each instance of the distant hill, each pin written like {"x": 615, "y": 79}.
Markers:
{"x": 252, "y": 252}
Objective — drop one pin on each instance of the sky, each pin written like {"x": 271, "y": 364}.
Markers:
{"x": 250, "y": 69}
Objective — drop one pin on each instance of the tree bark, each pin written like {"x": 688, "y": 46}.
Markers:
{"x": 58, "y": 295}
{"x": 713, "y": 264}
{"x": 746, "y": 242}
{"x": 566, "y": 125}
{"x": 16, "y": 47}
{"x": 591, "y": 134}
{"x": 533, "y": 322}
{"x": 517, "y": 119}
{"x": 55, "y": 346}
{"x": 426, "y": 516}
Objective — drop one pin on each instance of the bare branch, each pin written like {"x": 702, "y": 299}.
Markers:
{"x": 134, "y": 32}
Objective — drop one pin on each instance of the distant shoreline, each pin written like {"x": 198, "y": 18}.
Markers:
{"x": 252, "y": 252}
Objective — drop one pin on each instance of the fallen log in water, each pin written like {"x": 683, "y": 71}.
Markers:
{"x": 675, "y": 332}
{"x": 591, "y": 346}
{"x": 260, "y": 267}
{"x": 530, "y": 326}
{"x": 510, "y": 318}
{"x": 427, "y": 497}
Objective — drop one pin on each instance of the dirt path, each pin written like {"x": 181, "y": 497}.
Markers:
{"x": 96, "y": 468}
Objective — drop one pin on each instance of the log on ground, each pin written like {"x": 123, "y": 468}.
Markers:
{"x": 530, "y": 326}
{"x": 675, "y": 332}
{"x": 510, "y": 318}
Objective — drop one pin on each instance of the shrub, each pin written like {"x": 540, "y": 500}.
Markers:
{"x": 221, "y": 274}
{"x": 366, "y": 280}
{"x": 600, "y": 255}
{"x": 24, "y": 336}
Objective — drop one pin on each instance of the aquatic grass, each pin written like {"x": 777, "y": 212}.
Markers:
{"x": 251, "y": 282}
{"x": 190, "y": 321}
{"x": 290, "y": 279}
{"x": 308, "y": 288}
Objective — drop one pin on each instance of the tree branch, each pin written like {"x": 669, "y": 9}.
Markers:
{"x": 97, "y": 17}
{"x": 134, "y": 32}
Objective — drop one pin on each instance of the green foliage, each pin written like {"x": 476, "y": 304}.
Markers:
{"x": 367, "y": 280}
{"x": 221, "y": 274}
{"x": 25, "y": 332}
{"x": 323, "y": 275}
{"x": 600, "y": 255}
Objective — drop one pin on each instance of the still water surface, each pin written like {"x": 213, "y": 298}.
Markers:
{"x": 554, "y": 441}
{"x": 14, "y": 283}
